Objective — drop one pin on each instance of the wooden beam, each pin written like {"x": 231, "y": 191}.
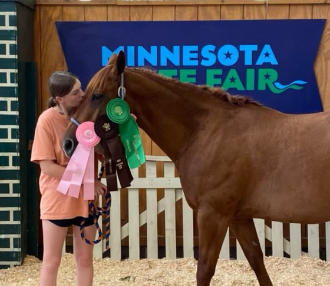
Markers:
{"x": 178, "y": 2}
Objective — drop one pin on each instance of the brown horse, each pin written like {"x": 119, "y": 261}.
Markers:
{"x": 237, "y": 160}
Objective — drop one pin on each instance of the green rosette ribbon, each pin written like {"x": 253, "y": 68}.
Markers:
{"x": 118, "y": 111}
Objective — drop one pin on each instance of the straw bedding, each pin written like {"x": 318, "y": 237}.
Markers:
{"x": 180, "y": 272}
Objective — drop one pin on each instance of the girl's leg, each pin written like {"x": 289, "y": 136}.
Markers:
{"x": 83, "y": 254}
{"x": 53, "y": 237}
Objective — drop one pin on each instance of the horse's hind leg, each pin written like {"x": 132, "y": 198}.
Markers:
{"x": 246, "y": 234}
{"x": 212, "y": 230}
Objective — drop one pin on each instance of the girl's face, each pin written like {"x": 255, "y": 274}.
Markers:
{"x": 73, "y": 98}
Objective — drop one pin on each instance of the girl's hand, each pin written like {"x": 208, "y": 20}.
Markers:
{"x": 99, "y": 189}
{"x": 134, "y": 117}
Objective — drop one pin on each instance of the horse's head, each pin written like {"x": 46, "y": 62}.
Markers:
{"x": 100, "y": 89}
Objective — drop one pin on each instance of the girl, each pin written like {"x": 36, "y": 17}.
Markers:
{"x": 58, "y": 211}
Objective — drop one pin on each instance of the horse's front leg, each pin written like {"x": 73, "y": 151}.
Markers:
{"x": 212, "y": 229}
{"x": 246, "y": 234}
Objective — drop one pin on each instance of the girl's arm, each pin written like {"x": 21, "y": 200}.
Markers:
{"x": 52, "y": 169}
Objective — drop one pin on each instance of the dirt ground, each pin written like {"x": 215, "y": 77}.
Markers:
{"x": 181, "y": 272}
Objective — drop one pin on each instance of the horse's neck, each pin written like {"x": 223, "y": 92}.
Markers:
{"x": 167, "y": 115}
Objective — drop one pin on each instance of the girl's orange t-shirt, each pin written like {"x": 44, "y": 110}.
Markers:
{"x": 47, "y": 146}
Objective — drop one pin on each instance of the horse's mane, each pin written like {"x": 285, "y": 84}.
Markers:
{"x": 215, "y": 92}
{"x": 218, "y": 92}
{"x": 99, "y": 82}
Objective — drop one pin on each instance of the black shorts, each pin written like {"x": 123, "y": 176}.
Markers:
{"x": 73, "y": 221}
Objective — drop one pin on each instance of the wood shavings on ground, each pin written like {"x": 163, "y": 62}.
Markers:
{"x": 180, "y": 272}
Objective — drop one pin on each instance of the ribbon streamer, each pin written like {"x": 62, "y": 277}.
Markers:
{"x": 116, "y": 162}
{"x": 114, "y": 153}
{"x": 80, "y": 169}
{"x": 130, "y": 136}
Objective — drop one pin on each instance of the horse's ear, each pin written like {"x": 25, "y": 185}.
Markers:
{"x": 112, "y": 59}
{"x": 121, "y": 62}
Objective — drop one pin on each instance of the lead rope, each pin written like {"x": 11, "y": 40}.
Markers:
{"x": 96, "y": 212}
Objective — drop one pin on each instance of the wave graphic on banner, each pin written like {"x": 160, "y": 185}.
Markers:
{"x": 297, "y": 84}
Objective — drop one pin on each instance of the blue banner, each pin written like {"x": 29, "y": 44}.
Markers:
{"x": 269, "y": 60}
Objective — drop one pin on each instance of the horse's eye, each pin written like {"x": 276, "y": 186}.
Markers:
{"x": 97, "y": 96}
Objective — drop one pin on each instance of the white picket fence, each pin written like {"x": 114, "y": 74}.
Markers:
{"x": 173, "y": 193}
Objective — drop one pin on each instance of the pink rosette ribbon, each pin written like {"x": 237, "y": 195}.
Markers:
{"x": 80, "y": 169}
